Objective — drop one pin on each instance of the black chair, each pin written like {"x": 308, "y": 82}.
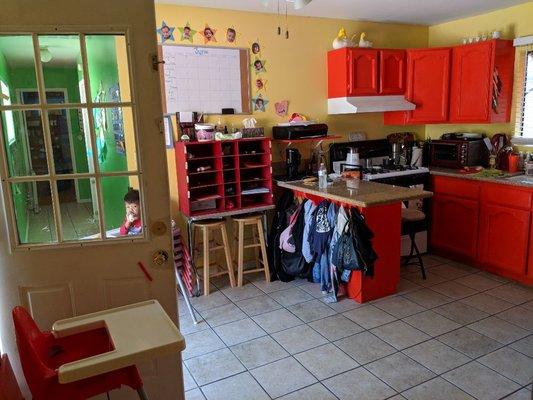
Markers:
{"x": 413, "y": 221}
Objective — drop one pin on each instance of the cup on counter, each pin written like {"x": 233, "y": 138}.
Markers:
{"x": 514, "y": 163}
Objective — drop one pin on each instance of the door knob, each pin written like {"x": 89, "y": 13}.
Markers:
{"x": 160, "y": 257}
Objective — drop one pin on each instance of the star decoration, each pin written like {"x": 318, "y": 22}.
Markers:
{"x": 260, "y": 84}
{"x": 259, "y": 65}
{"x": 259, "y": 103}
{"x": 187, "y": 33}
{"x": 209, "y": 34}
{"x": 166, "y": 32}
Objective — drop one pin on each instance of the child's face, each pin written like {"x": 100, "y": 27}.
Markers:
{"x": 259, "y": 84}
{"x": 230, "y": 35}
{"x": 255, "y": 48}
{"x": 258, "y": 65}
{"x": 208, "y": 33}
{"x": 165, "y": 31}
{"x": 132, "y": 209}
{"x": 186, "y": 32}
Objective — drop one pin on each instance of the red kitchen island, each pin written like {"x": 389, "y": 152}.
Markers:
{"x": 381, "y": 205}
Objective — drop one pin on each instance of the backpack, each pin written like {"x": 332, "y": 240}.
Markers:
{"x": 287, "y": 241}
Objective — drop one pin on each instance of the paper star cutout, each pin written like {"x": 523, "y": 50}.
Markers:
{"x": 259, "y": 103}
{"x": 187, "y": 33}
{"x": 260, "y": 84}
{"x": 166, "y": 32}
{"x": 259, "y": 66}
{"x": 209, "y": 34}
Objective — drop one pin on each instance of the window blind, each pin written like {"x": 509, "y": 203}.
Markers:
{"x": 523, "y": 92}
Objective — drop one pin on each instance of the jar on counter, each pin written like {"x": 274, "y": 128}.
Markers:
{"x": 529, "y": 168}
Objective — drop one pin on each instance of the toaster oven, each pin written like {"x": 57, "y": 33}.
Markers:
{"x": 457, "y": 153}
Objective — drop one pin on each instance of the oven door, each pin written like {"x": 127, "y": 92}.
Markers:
{"x": 445, "y": 154}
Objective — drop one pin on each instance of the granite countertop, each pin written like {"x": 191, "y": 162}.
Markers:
{"x": 504, "y": 179}
{"x": 359, "y": 193}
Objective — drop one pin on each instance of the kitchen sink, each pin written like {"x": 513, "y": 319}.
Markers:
{"x": 523, "y": 179}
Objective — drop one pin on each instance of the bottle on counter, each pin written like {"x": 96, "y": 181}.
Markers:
{"x": 322, "y": 176}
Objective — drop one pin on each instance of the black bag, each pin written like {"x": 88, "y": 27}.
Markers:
{"x": 279, "y": 223}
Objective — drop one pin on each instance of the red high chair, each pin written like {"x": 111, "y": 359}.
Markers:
{"x": 41, "y": 354}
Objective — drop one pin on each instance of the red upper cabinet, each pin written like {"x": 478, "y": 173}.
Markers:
{"x": 392, "y": 72}
{"x": 481, "y": 82}
{"x": 362, "y": 72}
{"x": 428, "y": 77}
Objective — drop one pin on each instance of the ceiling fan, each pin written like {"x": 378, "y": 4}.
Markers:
{"x": 298, "y": 4}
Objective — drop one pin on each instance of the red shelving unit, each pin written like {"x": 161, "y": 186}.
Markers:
{"x": 217, "y": 176}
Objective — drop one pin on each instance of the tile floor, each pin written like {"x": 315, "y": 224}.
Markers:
{"x": 462, "y": 334}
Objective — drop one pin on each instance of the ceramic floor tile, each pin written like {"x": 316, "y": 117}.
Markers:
{"x": 480, "y": 381}
{"x": 214, "y": 366}
{"x": 406, "y": 286}
{"x": 431, "y": 261}
{"x": 399, "y": 306}
{"x": 277, "y": 320}
{"x": 478, "y": 282}
{"x": 524, "y": 346}
{"x": 464, "y": 267}
{"x": 335, "y": 327}
{"x": 282, "y": 377}
{"x": 450, "y": 271}
{"x": 298, "y": 339}
{"x": 313, "y": 392}
{"x": 311, "y": 310}
{"x": 188, "y": 381}
{"x": 369, "y": 316}
{"x": 519, "y": 316}
{"x": 358, "y": 384}
{"x": 399, "y": 371}
{"x": 258, "y": 305}
{"x": 511, "y": 293}
{"x": 494, "y": 277}
{"x": 528, "y": 305}
{"x": 326, "y": 361}
{"x": 522, "y": 394}
{"x": 511, "y": 364}
{"x": 239, "y": 331}
{"x": 258, "y": 352}
{"x": 223, "y": 315}
{"x": 469, "y": 342}
{"x": 499, "y": 330}
{"x": 269, "y": 287}
{"x": 236, "y": 387}
{"x": 212, "y": 300}
{"x": 427, "y": 298}
{"x": 487, "y": 303}
{"x": 436, "y": 389}
{"x": 461, "y": 313}
{"x": 453, "y": 289}
{"x": 399, "y": 334}
{"x": 244, "y": 292}
{"x": 364, "y": 347}
{"x": 291, "y": 296}
{"x": 436, "y": 356}
{"x": 187, "y": 326}
{"x": 344, "y": 304}
{"x": 313, "y": 289}
{"x": 431, "y": 278}
{"x": 200, "y": 343}
{"x": 431, "y": 323}
{"x": 194, "y": 394}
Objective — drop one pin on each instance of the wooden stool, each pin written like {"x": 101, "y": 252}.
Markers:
{"x": 258, "y": 243}
{"x": 413, "y": 221}
{"x": 206, "y": 227}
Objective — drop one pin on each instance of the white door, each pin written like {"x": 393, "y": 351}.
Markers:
{"x": 71, "y": 257}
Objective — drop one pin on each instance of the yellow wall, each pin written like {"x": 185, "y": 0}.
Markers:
{"x": 512, "y": 22}
{"x": 296, "y": 68}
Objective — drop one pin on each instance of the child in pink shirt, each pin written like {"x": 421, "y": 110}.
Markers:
{"x": 132, "y": 222}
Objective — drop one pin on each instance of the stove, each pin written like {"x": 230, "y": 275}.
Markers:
{"x": 392, "y": 171}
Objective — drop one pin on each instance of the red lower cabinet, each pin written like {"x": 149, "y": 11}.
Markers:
{"x": 454, "y": 226}
{"x": 504, "y": 239}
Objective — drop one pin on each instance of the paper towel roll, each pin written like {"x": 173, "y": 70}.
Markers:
{"x": 416, "y": 158}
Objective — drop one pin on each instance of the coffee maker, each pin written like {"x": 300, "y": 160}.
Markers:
{"x": 293, "y": 159}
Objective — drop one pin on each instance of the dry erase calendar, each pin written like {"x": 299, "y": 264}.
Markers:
{"x": 205, "y": 79}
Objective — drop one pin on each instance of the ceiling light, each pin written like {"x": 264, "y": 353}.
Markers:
{"x": 46, "y": 56}
{"x": 300, "y": 4}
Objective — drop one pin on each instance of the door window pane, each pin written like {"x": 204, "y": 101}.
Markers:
{"x": 17, "y": 64}
{"x": 61, "y": 63}
{"x": 79, "y": 215}
{"x": 108, "y": 68}
{"x": 122, "y": 206}
{"x": 115, "y": 139}
{"x": 24, "y": 140}
{"x": 70, "y": 144}
{"x": 34, "y": 214}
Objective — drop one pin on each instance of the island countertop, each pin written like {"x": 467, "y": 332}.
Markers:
{"x": 358, "y": 193}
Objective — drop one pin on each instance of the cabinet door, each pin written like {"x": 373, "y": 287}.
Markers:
{"x": 454, "y": 225}
{"x": 428, "y": 78}
{"x": 392, "y": 71}
{"x": 503, "y": 238}
{"x": 471, "y": 82}
{"x": 363, "y": 72}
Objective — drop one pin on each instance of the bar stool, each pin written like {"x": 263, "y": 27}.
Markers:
{"x": 258, "y": 242}
{"x": 208, "y": 245}
{"x": 413, "y": 221}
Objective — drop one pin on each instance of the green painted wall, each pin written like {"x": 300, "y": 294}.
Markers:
{"x": 103, "y": 72}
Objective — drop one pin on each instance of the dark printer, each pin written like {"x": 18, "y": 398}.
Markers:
{"x": 299, "y": 131}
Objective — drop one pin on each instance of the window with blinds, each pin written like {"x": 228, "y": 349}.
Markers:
{"x": 524, "y": 95}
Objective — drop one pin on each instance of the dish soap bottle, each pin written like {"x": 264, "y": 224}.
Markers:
{"x": 322, "y": 176}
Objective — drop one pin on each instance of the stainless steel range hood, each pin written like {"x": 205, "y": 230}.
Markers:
{"x": 366, "y": 104}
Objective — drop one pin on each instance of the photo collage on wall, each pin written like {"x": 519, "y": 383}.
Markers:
{"x": 230, "y": 36}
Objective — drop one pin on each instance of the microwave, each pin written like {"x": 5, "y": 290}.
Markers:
{"x": 457, "y": 153}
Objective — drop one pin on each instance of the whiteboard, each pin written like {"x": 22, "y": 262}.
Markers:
{"x": 205, "y": 79}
